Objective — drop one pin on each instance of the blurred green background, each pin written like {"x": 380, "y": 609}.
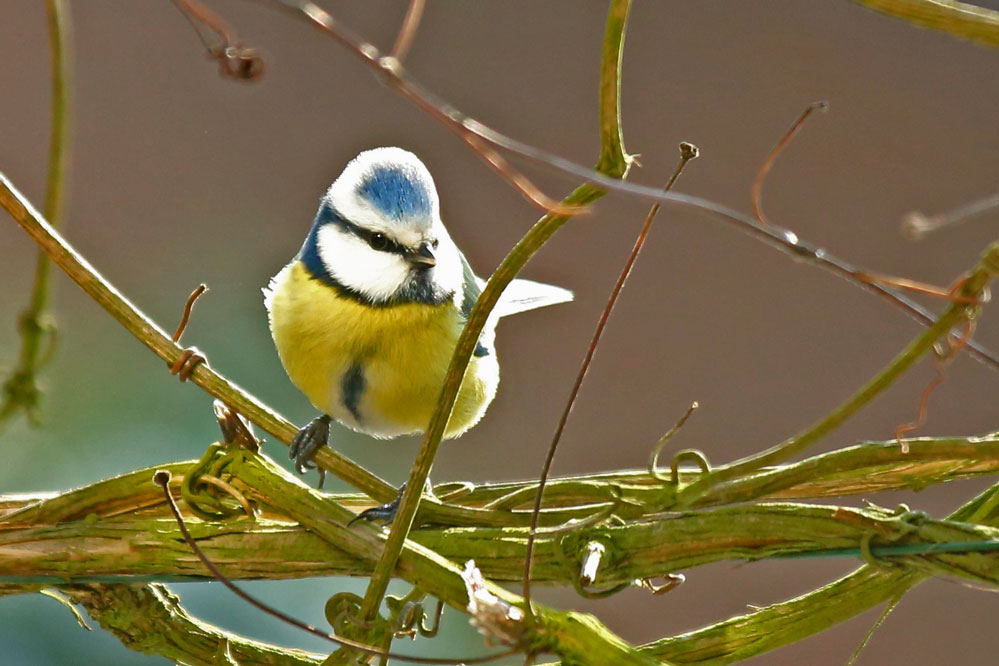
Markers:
{"x": 180, "y": 177}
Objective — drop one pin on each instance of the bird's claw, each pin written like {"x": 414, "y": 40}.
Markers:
{"x": 310, "y": 439}
{"x": 384, "y": 513}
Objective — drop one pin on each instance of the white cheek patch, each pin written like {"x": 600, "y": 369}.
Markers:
{"x": 352, "y": 263}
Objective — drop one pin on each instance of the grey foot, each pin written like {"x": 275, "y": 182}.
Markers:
{"x": 310, "y": 439}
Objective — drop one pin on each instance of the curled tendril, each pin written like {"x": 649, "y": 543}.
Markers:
{"x": 206, "y": 479}
{"x": 408, "y": 615}
{"x": 688, "y": 454}
{"x": 664, "y": 440}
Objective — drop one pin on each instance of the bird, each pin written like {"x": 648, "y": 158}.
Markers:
{"x": 367, "y": 314}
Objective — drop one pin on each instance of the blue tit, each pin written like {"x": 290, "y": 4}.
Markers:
{"x": 366, "y": 316}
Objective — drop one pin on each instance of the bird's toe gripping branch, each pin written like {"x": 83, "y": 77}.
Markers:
{"x": 384, "y": 513}
{"x": 310, "y": 439}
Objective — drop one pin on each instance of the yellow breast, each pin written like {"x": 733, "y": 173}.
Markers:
{"x": 378, "y": 370}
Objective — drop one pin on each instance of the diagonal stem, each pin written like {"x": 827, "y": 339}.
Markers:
{"x": 973, "y": 288}
{"x": 614, "y": 161}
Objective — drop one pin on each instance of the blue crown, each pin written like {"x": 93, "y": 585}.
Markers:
{"x": 396, "y": 191}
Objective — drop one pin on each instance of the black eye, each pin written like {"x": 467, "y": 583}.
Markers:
{"x": 435, "y": 243}
{"x": 378, "y": 241}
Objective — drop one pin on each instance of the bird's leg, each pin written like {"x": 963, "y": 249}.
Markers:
{"x": 385, "y": 513}
{"x": 310, "y": 439}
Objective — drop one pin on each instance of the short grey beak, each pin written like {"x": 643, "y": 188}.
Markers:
{"x": 423, "y": 256}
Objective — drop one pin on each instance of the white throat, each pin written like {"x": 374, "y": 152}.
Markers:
{"x": 380, "y": 276}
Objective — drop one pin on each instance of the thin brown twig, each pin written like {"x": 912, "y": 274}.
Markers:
{"x": 519, "y": 181}
{"x": 202, "y": 16}
{"x": 235, "y": 60}
{"x": 688, "y": 151}
{"x": 191, "y": 357}
{"x": 947, "y": 293}
{"x": 761, "y": 175}
{"x": 407, "y": 33}
{"x": 940, "y": 362}
{"x": 461, "y": 125}
{"x": 162, "y": 479}
{"x": 468, "y": 129}
{"x": 188, "y": 307}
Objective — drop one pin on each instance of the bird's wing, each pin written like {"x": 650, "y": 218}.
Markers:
{"x": 519, "y": 295}
{"x": 472, "y": 287}
{"x": 523, "y": 295}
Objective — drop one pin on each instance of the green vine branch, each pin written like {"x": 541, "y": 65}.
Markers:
{"x": 968, "y": 299}
{"x": 20, "y": 391}
{"x": 777, "y": 625}
{"x": 146, "y": 546}
{"x": 150, "y": 619}
{"x": 575, "y": 639}
{"x": 864, "y": 468}
{"x": 959, "y": 19}
{"x": 613, "y": 162}
{"x": 156, "y": 339}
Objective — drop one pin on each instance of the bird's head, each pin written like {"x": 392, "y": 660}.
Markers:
{"x": 378, "y": 233}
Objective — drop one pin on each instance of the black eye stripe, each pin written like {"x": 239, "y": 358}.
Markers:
{"x": 368, "y": 237}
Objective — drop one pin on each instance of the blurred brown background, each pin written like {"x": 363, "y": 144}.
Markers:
{"x": 180, "y": 176}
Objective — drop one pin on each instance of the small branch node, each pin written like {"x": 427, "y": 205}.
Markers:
{"x": 915, "y": 225}
{"x": 236, "y": 61}
{"x": 689, "y": 151}
{"x": 673, "y": 580}
{"x": 593, "y": 554}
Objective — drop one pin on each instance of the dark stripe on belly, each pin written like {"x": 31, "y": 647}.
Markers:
{"x": 352, "y": 388}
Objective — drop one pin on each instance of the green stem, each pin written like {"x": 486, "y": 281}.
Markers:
{"x": 864, "y": 468}
{"x": 772, "y": 627}
{"x": 613, "y": 162}
{"x": 958, "y": 19}
{"x": 576, "y": 641}
{"x": 153, "y": 337}
{"x": 970, "y": 292}
{"x": 150, "y": 619}
{"x": 861, "y": 469}
{"x": 21, "y": 391}
{"x": 147, "y": 546}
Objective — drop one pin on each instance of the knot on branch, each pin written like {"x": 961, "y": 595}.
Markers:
{"x": 407, "y": 615}
{"x": 589, "y": 552}
{"x": 206, "y": 487}
{"x": 343, "y": 612}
